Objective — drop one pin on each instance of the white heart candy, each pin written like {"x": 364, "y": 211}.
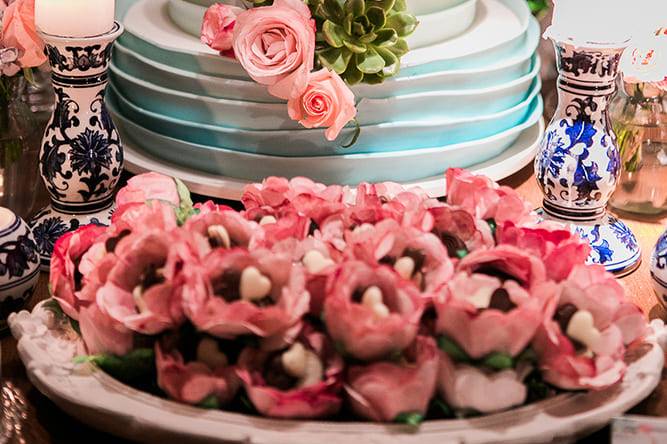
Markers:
{"x": 266, "y": 220}
{"x": 316, "y": 262}
{"x": 314, "y": 370}
{"x": 220, "y": 235}
{"x": 405, "y": 267}
{"x": 372, "y": 298}
{"x": 209, "y": 353}
{"x": 582, "y": 328}
{"x": 254, "y": 285}
{"x": 294, "y": 360}
{"x": 482, "y": 298}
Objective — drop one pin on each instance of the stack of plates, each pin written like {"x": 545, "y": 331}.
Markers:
{"x": 459, "y": 101}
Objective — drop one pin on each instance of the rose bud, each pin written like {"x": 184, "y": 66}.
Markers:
{"x": 371, "y": 311}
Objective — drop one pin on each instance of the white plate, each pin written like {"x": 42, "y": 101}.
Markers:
{"x": 495, "y": 73}
{"x": 100, "y": 401}
{"x": 513, "y": 159}
{"x": 434, "y": 27}
{"x": 498, "y": 31}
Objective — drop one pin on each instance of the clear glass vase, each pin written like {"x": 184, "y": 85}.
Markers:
{"x": 640, "y": 123}
{"x": 17, "y": 161}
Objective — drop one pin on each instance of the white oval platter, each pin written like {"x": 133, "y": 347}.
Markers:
{"x": 96, "y": 399}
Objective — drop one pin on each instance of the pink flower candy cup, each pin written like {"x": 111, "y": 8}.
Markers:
{"x": 384, "y": 390}
{"x": 356, "y": 327}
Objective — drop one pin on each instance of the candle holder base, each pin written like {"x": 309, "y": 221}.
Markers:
{"x": 49, "y": 224}
{"x": 613, "y": 244}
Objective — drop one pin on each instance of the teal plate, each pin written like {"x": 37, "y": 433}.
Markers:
{"x": 384, "y": 137}
{"x": 250, "y": 115}
{"x": 343, "y": 169}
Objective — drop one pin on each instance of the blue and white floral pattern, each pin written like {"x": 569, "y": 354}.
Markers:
{"x": 578, "y": 164}
{"x": 81, "y": 158}
{"x": 19, "y": 266}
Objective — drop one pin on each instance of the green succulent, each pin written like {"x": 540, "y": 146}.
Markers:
{"x": 362, "y": 40}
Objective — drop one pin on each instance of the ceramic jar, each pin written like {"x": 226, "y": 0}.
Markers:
{"x": 19, "y": 264}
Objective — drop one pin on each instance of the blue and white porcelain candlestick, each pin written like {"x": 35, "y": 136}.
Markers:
{"x": 578, "y": 164}
{"x": 81, "y": 158}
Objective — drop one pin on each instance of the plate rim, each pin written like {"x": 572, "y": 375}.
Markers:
{"x": 59, "y": 380}
{"x": 231, "y": 189}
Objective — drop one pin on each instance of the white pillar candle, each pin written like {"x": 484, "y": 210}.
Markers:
{"x": 599, "y": 21}
{"x": 74, "y": 18}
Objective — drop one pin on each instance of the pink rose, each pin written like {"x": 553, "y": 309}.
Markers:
{"x": 371, "y": 326}
{"x": 496, "y": 303}
{"x": 148, "y": 186}
{"x": 573, "y": 361}
{"x": 559, "y": 249}
{"x": 384, "y": 390}
{"x": 66, "y": 279}
{"x": 465, "y": 387}
{"x": 139, "y": 291}
{"x": 326, "y": 102}
{"x": 102, "y": 334}
{"x": 484, "y": 199}
{"x": 194, "y": 382}
{"x": 213, "y": 299}
{"x": 18, "y": 31}
{"x": 276, "y": 46}
{"x": 217, "y": 30}
{"x": 278, "y": 394}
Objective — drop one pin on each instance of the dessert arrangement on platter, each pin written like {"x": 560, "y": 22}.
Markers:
{"x": 375, "y": 303}
{"x": 352, "y": 86}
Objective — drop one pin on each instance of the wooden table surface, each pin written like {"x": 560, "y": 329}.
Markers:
{"x": 47, "y": 424}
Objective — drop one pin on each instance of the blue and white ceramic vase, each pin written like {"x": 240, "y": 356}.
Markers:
{"x": 81, "y": 157}
{"x": 659, "y": 269}
{"x": 578, "y": 165}
{"x": 19, "y": 264}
